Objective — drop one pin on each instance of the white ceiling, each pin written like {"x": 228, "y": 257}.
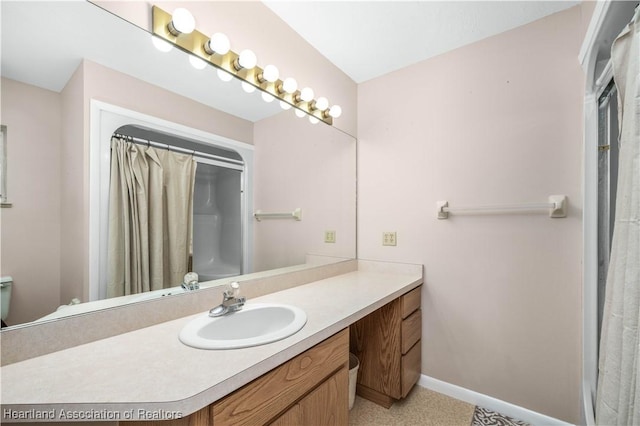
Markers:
{"x": 367, "y": 39}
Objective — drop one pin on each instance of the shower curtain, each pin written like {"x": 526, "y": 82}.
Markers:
{"x": 618, "y": 394}
{"x": 150, "y": 218}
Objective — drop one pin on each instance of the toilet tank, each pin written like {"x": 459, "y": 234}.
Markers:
{"x": 5, "y": 296}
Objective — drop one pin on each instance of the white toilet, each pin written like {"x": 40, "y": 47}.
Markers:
{"x": 5, "y": 297}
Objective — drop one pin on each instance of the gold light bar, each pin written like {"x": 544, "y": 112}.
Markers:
{"x": 194, "y": 43}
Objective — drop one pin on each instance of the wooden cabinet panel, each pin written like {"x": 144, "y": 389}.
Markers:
{"x": 376, "y": 341}
{"x": 411, "y": 301}
{"x": 329, "y": 403}
{"x": 387, "y": 343}
{"x": 411, "y": 368}
{"x": 326, "y": 405}
{"x": 411, "y": 330}
{"x": 291, "y": 417}
{"x": 260, "y": 401}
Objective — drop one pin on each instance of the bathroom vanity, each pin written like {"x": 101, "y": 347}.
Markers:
{"x": 147, "y": 376}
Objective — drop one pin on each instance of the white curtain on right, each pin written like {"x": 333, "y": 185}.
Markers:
{"x": 618, "y": 395}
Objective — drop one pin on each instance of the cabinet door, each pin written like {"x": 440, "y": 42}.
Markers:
{"x": 326, "y": 405}
{"x": 260, "y": 401}
{"x": 291, "y": 417}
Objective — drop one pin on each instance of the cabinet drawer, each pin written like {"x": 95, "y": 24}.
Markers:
{"x": 411, "y": 301}
{"x": 262, "y": 400}
{"x": 411, "y": 366}
{"x": 411, "y": 330}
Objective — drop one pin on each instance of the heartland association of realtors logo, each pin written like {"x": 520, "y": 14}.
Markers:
{"x": 89, "y": 414}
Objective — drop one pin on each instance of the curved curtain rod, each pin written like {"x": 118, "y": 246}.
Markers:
{"x": 178, "y": 149}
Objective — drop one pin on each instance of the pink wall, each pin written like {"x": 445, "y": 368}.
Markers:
{"x": 251, "y": 25}
{"x": 31, "y": 227}
{"x": 499, "y": 121}
{"x": 74, "y": 253}
{"x": 299, "y": 164}
{"x": 104, "y": 84}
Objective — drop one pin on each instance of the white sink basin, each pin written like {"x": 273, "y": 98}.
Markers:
{"x": 255, "y": 324}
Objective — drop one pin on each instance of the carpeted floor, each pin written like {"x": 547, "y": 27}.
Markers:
{"x": 423, "y": 407}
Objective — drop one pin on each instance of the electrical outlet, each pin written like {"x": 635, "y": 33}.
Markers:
{"x": 329, "y": 236}
{"x": 389, "y": 239}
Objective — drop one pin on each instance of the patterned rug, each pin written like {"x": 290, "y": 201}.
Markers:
{"x": 484, "y": 417}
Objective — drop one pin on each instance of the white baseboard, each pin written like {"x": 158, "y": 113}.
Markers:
{"x": 488, "y": 402}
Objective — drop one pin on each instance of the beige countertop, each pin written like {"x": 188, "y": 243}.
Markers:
{"x": 149, "y": 372}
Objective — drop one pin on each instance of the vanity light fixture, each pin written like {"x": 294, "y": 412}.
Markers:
{"x": 270, "y": 73}
{"x": 267, "y": 97}
{"x": 320, "y": 104}
{"x": 305, "y": 95}
{"x": 247, "y": 59}
{"x": 224, "y": 76}
{"x": 249, "y": 88}
{"x": 335, "y": 111}
{"x": 289, "y": 85}
{"x": 313, "y": 120}
{"x": 197, "y": 63}
{"x": 161, "y": 44}
{"x": 217, "y": 44}
{"x": 179, "y": 29}
{"x": 182, "y": 22}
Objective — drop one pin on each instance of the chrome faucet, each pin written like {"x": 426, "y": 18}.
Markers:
{"x": 190, "y": 282}
{"x": 231, "y": 301}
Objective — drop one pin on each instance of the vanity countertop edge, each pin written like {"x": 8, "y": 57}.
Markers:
{"x": 148, "y": 374}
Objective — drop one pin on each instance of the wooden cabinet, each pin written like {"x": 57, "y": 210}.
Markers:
{"x": 314, "y": 381}
{"x": 387, "y": 343}
{"x": 311, "y": 388}
{"x": 323, "y": 406}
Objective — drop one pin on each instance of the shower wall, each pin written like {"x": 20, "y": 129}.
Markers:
{"x": 217, "y": 225}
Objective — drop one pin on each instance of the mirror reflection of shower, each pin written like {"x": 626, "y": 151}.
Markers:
{"x": 218, "y": 207}
{"x": 217, "y": 221}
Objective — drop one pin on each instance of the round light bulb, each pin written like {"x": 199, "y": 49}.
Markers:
{"x": 306, "y": 94}
{"x": 285, "y": 105}
{"x": 182, "y": 22}
{"x": 247, "y": 59}
{"x": 335, "y": 111}
{"x": 218, "y": 43}
{"x": 289, "y": 85}
{"x": 249, "y": 88}
{"x": 267, "y": 97}
{"x": 313, "y": 120}
{"x": 270, "y": 73}
{"x": 322, "y": 103}
{"x": 224, "y": 76}
{"x": 197, "y": 63}
{"x": 160, "y": 44}
{"x": 300, "y": 113}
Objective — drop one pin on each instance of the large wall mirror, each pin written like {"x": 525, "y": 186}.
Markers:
{"x": 60, "y": 59}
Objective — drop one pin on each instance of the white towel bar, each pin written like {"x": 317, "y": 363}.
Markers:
{"x": 557, "y": 206}
{"x": 296, "y": 214}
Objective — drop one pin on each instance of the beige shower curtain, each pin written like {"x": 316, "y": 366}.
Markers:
{"x": 150, "y": 217}
{"x": 618, "y": 395}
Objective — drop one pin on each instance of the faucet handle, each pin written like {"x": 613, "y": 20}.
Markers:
{"x": 233, "y": 289}
{"x": 190, "y": 281}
